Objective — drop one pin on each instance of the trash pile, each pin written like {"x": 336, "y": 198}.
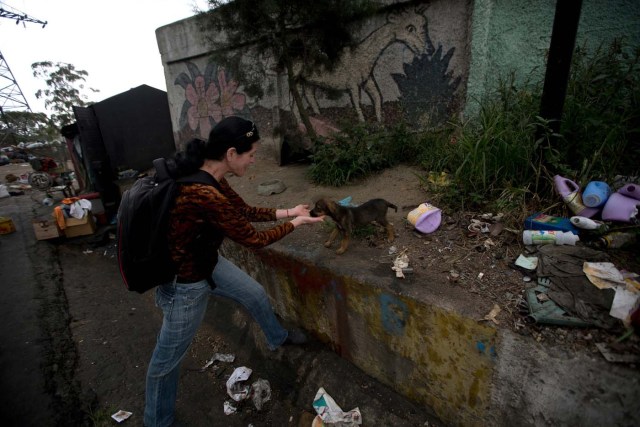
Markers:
{"x": 577, "y": 270}
{"x": 569, "y": 261}
{"x": 258, "y": 392}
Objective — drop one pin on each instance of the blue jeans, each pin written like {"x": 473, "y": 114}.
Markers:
{"x": 184, "y": 306}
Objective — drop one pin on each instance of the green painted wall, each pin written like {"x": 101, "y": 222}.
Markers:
{"x": 514, "y": 35}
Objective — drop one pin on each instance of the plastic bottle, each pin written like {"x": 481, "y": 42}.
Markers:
{"x": 543, "y": 237}
{"x": 570, "y": 192}
{"x": 425, "y": 218}
{"x": 588, "y": 224}
{"x": 630, "y": 190}
{"x": 595, "y": 194}
{"x": 620, "y": 208}
{"x": 616, "y": 240}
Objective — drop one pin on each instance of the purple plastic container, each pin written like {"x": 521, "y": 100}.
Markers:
{"x": 620, "y": 208}
{"x": 630, "y": 190}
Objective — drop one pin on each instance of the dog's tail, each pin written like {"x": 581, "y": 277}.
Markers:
{"x": 391, "y": 205}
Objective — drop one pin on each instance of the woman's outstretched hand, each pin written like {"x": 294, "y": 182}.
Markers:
{"x": 301, "y": 220}
{"x": 300, "y": 210}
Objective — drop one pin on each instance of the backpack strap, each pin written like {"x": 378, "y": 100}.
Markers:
{"x": 162, "y": 169}
{"x": 200, "y": 177}
{"x": 165, "y": 169}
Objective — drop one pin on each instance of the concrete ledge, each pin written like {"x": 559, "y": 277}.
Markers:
{"x": 434, "y": 351}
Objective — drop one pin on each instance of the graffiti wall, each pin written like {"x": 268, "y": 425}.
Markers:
{"x": 407, "y": 65}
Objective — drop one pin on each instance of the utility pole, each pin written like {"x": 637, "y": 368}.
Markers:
{"x": 11, "y": 96}
{"x": 563, "y": 40}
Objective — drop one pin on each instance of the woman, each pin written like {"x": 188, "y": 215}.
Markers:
{"x": 202, "y": 217}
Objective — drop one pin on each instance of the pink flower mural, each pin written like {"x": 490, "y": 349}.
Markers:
{"x": 209, "y": 97}
{"x": 203, "y": 105}
{"x": 230, "y": 101}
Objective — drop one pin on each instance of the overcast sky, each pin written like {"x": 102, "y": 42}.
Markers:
{"x": 113, "y": 40}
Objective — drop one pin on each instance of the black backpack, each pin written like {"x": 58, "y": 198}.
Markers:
{"x": 144, "y": 259}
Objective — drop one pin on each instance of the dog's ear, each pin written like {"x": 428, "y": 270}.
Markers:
{"x": 330, "y": 204}
{"x": 316, "y": 199}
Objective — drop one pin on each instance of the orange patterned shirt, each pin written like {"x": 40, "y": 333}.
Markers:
{"x": 203, "y": 216}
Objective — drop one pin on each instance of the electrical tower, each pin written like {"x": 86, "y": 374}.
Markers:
{"x": 11, "y": 96}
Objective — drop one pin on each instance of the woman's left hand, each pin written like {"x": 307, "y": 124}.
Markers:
{"x": 300, "y": 210}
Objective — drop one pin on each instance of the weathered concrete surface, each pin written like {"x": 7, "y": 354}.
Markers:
{"x": 512, "y": 37}
{"x": 432, "y": 349}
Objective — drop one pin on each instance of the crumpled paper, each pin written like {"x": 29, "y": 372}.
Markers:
{"x": 603, "y": 274}
{"x": 330, "y": 413}
{"x": 235, "y": 388}
{"x": 401, "y": 261}
{"x": 238, "y": 390}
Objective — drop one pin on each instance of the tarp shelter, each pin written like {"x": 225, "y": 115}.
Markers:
{"x": 125, "y": 132}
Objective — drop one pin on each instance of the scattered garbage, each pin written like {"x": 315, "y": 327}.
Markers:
{"x": 540, "y": 221}
{"x": 401, "y": 264}
{"x": 612, "y": 356}
{"x": 237, "y": 388}
{"x": 260, "y": 393}
{"x": 621, "y": 208}
{"x": 4, "y": 192}
{"x": 573, "y": 300}
{"x": 588, "y": 223}
{"x": 218, "y": 357}
{"x": 127, "y": 174}
{"x": 615, "y": 240}
{"x": 493, "y": 314}
{"x": 603, "y": 274}
{"x": 630, "y": 190}
{"x": 330, "y": 413}
{"x": 571, "y": 195}
{"x": 528, "y": 263}
{"x": 542, "y": 237}
{"x": 425, "y": 218}
{"x": 544, "y": 310}
{"x": 596, "y": 194}
{"x": 121, "y": 415}
{"x": 6, "y": 225}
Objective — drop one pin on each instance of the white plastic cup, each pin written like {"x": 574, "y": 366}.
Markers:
{"x": 425, "y": 218}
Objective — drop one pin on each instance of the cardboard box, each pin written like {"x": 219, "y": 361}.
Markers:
{"x": 80, "y": 227}
{"x": 46, "y": 229}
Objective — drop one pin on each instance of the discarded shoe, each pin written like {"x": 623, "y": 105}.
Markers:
{"x": 296, "y": 337}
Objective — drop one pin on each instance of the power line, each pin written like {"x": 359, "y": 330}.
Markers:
{"x": 18, "y": 16}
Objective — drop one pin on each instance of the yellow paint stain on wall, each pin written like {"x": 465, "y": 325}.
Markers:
{"x": 425, "y": 352}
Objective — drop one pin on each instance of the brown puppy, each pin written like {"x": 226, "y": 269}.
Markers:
{"x": 347, "y": 218}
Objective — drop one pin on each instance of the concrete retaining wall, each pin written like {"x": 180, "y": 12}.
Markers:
{"x": 468, "y": 373}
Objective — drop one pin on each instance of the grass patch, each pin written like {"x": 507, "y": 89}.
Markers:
{"x": 504, "y": 159}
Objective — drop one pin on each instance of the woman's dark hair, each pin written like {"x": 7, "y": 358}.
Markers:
{"x": 231, "y": 132}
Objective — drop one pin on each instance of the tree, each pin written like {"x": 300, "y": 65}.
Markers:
{"x": 298, "y": 35}
{"x": 25, "y": 126}
{"x": 65, "y": 86}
